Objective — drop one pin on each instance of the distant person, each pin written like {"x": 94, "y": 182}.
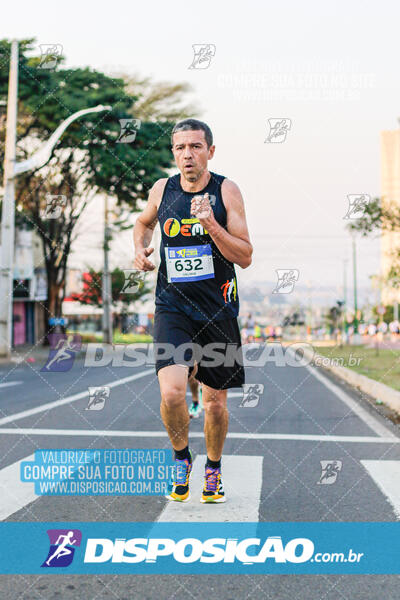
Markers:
{"x": 382, "y": 327}
{"x": 394, "y": 328}
{"x": 196, "y": 391}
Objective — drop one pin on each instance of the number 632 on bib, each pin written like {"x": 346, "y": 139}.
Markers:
{"x": 191, "y": 263}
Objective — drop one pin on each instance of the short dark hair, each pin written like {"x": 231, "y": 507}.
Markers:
{"x": 193, "y": 125}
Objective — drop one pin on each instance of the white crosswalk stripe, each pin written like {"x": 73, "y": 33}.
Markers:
{"x": 242, "y": 502}
{"x": 10, "y": 384}
{"x": 14, "y": 493}
{"x": 386, "y": 474}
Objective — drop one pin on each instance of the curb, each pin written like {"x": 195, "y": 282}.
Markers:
{"x": 376, "y": 389}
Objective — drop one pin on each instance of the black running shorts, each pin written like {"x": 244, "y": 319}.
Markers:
{"x": 214, "y": 345}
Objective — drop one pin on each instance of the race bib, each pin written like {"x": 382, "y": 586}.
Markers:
{"x": 189, "y": 263}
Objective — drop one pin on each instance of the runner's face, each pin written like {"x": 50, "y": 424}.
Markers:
{"x": 191, "y": 153}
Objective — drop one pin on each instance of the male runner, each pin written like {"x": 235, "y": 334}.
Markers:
{"x": 196, "y": 295}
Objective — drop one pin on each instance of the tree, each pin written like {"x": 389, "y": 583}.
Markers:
{"x": 93, "y": 285}
{"x": 379, "y": 216}
{"x": 88, "y": 160}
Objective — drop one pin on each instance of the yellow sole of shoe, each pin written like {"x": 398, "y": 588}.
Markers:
{"x": 213, "y": 501}
{"x": 172, "y": 499}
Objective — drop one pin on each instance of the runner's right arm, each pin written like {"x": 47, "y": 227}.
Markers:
{"x": 144, "y": 227}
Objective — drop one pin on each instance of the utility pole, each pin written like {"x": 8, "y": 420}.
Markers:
{"x": 8, "y": 212}
{"x": 344, "y": 297}
{"x": 106, "y": 287}
{"x": 309, "y": 323}
{"x": 355, "y": 323}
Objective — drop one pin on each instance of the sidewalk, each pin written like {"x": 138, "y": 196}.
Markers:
{"x": 381, "y": 392}
{"x": 29, "y": 354}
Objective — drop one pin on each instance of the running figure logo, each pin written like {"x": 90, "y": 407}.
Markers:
{"x": 97, "y": 397}
{"x": 357, "y": 205}
{"x": 134, "y": 281}
{"x": 54, "y": 206}
{"x": 251, "y": 394}
{"x": 62, "y": 352}
{"x": 62, "y": 547}
{"x": 286, "y": 280}
{"x": 50, "y": 55}
{"x": 278, "y": 130}
{"x": 203, "y": 54}
{"x": 329, "y": 471}
{"x": 229, "y": 290}
{"x": 129, "y": 129}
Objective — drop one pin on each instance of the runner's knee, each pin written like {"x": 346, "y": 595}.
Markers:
{"x": 215, "y": 402}
{"x": 173, "y": 396}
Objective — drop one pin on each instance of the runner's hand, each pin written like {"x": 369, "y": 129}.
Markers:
{"x": 141, "y": 262}
{"x": 201, "y": 208}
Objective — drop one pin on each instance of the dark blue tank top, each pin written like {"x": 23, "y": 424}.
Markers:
{"x": 193, "y": 278}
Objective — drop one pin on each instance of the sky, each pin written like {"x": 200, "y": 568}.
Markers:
{"x": 330, "y": 68}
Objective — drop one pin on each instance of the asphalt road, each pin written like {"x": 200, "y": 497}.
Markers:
{"x": 302, "y": 417}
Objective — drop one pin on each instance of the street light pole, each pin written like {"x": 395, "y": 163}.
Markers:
{"x": 107, "y": 286}
{"x": 8, "y": 210}
{"x": 344, "y": 320}
{"x": 355, "y": 322}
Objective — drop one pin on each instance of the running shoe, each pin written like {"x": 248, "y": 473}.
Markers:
{"x": 213, "y": 491}
{"x": 180, "y": 483}
{"x": 195, "y": 410}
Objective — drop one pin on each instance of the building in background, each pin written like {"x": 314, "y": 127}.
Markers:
{"x": 390, "y": 192}
{"x": 29, "y": 289}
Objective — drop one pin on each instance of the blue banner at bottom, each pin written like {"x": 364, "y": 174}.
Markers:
{"x": 190, "y": 548}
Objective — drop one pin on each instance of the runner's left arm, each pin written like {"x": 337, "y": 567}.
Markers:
{"x": 233, "y": 242}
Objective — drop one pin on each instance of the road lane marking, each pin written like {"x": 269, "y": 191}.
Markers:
{"x": 14, "y": 493}
{"x": 363, "y": 439}
{"x": 68, "y": 399}
{"x": 370, "y": 420}
{"x": 238, "y": 507}
{"x": 386, "y": 475}
{"x": 10, "y": 383}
